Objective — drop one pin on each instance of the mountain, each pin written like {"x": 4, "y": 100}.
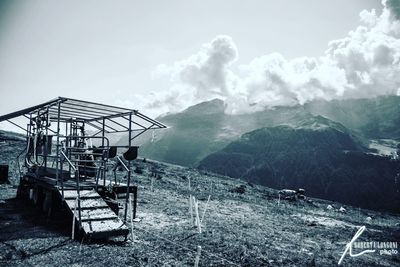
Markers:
{"x": 205, "y": 128}
{"x": 373, "y": 118}
{"x": 316, "y": 154}
{"x": 192, "y": 135}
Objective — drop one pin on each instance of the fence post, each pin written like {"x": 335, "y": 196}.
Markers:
{"x": 198, "y": 254}
{"x": 196, "y": 208}
{"x": 205, "y": 208}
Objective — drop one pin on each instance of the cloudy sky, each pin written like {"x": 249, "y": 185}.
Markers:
{"x": 162, "y": 56}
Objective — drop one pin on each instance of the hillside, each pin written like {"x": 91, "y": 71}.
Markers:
{"x": 191, "y": 135}
{"x": 318, "y": 155}
{"x": 251, "y": 228}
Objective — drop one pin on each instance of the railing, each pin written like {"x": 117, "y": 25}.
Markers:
{"x": 116, "y": 167}
{"x": 76, "y": 171}
{"x": 128, "y": 170}
{"x": 81, "y": 151}
{"x": 123, "y": 164}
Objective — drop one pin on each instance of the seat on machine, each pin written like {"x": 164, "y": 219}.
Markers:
{"x": 131, "y": 153}
{"x": 112, "y": 152}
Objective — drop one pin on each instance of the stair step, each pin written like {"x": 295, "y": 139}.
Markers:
{"x": 72, "y": 194}
{"x": 103, "y": 226}
{"x": 101, "y": 213}
{"x": 87, "y": 203}
{"x": 99, "y": 219}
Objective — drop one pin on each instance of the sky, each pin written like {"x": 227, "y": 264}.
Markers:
{"x": 163, "y": 56}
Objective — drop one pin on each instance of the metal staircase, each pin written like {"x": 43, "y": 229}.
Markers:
{"x": 92, "y": 214}
{"x": 90, "y": 211}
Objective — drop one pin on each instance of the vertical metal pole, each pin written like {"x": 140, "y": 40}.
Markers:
{"x": 103, "y": 130}
{"x": 35, "y": 151}
{"x": 30, "y": 131}
{"x": 79, "y": 196}
{"x": 69, "y": 144}
{"x": 129, "y": 167}
{"x": 62, "y": 180}
{"x": 102, "y": 143}
{"x": 46, "y": 145}
{"x": 67, "y": 151}
{"x": 58, "y": 146}
{"x": 134, "y": 201}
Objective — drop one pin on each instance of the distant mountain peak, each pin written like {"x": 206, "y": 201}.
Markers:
{"x": 316, "y": 123}
{"x": 208, "y": 107}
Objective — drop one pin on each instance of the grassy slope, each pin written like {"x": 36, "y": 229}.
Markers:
{"x": 249, "y": 229}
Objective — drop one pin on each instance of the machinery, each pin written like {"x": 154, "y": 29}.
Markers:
{"x": 68, "y": 160}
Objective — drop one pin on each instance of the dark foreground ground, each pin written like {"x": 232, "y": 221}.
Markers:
{"x": 252, "y": 228}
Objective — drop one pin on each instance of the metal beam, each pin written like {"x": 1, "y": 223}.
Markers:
{"x": 101, "y": 125}
{"x": 81, "y": 111}
{"x": 97, "y": 127}
{"x": 98, "y": 104}
{"x": 13, "y": 123}
{"x": 28, "y": 110}
{"x": 85, "y": 108}
{"x": 119, "y": 124}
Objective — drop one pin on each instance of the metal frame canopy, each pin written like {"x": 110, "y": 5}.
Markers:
{"x": 66, "y": 120}
{"x": 102, "y": 117}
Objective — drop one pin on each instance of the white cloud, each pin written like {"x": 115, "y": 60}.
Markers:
{"x": 365, "y": 63}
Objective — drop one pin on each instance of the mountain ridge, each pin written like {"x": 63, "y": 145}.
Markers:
{"x": 328, "y": 163}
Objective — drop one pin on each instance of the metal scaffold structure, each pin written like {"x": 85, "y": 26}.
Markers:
{"x": 68, "y": 158}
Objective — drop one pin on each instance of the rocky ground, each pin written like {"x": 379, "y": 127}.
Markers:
{"x": 243, "y": 225}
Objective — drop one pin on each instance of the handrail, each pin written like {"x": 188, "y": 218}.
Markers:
{"x": 69, "y": 162}
{"x": 77, "y": 184}
{"x": 123, "y": 164}
{"x": 87, "y": 137}
{"x": 127, "y": 189}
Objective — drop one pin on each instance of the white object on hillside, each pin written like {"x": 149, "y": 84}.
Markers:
{"x": 342, "y": 209}
{"x": 205, "y": 209}
{"x": 191, "y": 209}
{"x": 329, "y": 207}
{"x": 368, "y": 219}
{"x": 198, "y": 254}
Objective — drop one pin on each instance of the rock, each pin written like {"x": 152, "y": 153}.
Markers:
{"x": 313, "y": 223}
{"x": 368, "y": 219}
{"x": 329, "y": 207}
{"x": 342, "y": 209}
{"x": 240, "y": 189}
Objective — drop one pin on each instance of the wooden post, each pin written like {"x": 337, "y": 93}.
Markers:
{"x": 198, "y": 254}
{"x": 80, "y": 246}
{"x": 205, "y": 209}
{"x": 191, "y": 209}
{"x": 196, "y": 208}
